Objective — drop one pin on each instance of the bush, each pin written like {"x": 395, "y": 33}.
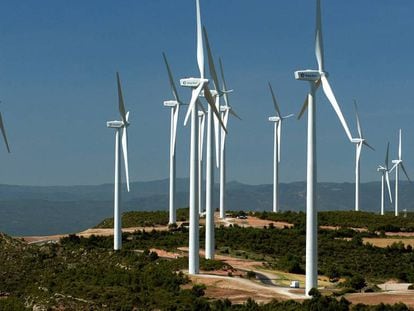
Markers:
{"x": 356, "y": 282}
{"x": 251, "y": 274}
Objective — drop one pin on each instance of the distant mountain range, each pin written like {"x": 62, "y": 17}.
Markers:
{"x": 32, "y": 210}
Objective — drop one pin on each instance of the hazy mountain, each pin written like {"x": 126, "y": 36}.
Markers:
{"x": 30, "y": 210}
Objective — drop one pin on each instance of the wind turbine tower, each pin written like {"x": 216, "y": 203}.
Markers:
{"x": 277, "y": 120}
{"x": 359, "y": 142}
{"x": 217, "y": 93}
{"x": 118, "y": 126}
{"x": 225, "y": 111}
{"x": 197, "y": 85}
{"x": 397, "y": 164}
{"x": 315, "y": 79}
{"x": 385, "y": 178}
{"x": 175, "y": 109}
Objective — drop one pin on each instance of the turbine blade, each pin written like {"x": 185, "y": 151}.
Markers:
{"x": 304, "y": 107}
{"x": 192, "y": 104}
{"x": 175, "y": 122}
{"x": 393, "y": 167}
{"x": 288, "y": 116}
{"x": 211, "y": 65}
{"x": 201, "y": 129}
{"x": 399, "y": 147}
{"x": 386, "y": 155}
{"x": 125, "y": 154}
{"x": 319, "y": 38}
{"x": 211, "y": 102}
{"x": 217, "y": 132}
{"x": 405, "y": 172}
{"x": 331, "y": 97}
{"x": 368, "y": 145}
{"x": 3, "y": 132}
{"x": 231, "y": 111}
{"x": 358, "y": 154}
{"x": 121, "y": 105}
{"x": 279, "y": 114}
{"x": 223, "y": 133}
{"x": 357, "y": 119}
{"x": 200, "y": 49}
{"x": 170, "y": 76}
{"x": 224, "y": 89}
{"x": 387, "y": 178}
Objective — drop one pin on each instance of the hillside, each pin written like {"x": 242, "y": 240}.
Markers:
{"x": 81, "y": 273}
{"x": 52, "y": 210}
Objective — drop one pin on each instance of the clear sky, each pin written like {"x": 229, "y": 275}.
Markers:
{"x": 57, "y": 84}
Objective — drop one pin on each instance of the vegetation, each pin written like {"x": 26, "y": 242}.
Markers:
{"x": 348, "y": 219}
{"x": 341, "y": 252}
{"x": 144, "y": 219}
{"x": 85, "y": 273}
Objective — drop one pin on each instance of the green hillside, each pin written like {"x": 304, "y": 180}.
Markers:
{"x": 86, "y": 274}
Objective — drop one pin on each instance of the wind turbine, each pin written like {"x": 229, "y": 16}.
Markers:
{"x": 359, "y": 142}
{"x": 175, "y": 108}
{"x": 118, "y": 126}
{"x": 277, "y": 120}
{"x": 384, "y": 170}
{"x": 315, "y": 79}
{"x": 197, "y": 85}
{"x": 225, "y": 111}
{"x": 397, "y": 164}
{"x": 201, "y": 122}
{"x": 217, "y": 93}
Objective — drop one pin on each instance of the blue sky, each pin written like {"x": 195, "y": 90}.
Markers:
{"x": 57, "y": 84}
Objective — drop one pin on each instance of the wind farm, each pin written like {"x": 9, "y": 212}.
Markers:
{"x": 202, "y": 211}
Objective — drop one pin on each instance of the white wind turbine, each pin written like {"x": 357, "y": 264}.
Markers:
{"x": 277, "y": 120}
{"x": 210, "y": 240}
{"x": 397, "y": 164}
{"x": 225, "y": 111}
{"x": 197, "y": 85}
{"x": 175, "y": 108}
{"x": 359, "y": 142}
{"x": 118, "y": 126}
{"x": 315, "y": 79}
{"x": 384, "y": 170}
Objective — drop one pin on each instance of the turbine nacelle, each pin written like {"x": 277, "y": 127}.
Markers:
{"x": 357, "y": 140}
{"x": 192, "y": 82}
{"x": 171, "y": 103}
{"x": 274, "y": 119}
{"x": 115, "y": 124}
{"x": 309, "y": 75}
{"x": 381, "y": 169}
